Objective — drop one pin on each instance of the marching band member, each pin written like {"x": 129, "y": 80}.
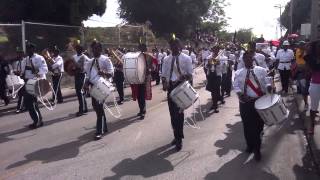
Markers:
{"x": 176, "y": 69}
{"x": 98, "y": 67}
{"x": 258, "y": 58}
{"x": 284, "y": 58}
{"x": 57, "y": 70}
{"x": 17, "y": 69}
{"x": 4, "y": 71}
{"x": 205, "y": 53}
{"x": 79, "y": 78}
{"x": 143, "y": 92}
{"x": 214, "y": 75}
{"x": 231, "y": 59}
{"x": 33, "y": 66}
{"x": 224, "y": 62}
{"x": 250, "y": 83}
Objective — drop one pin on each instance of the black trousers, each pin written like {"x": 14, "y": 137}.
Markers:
{"x": 31, "y": 103}
{"x": 252, "y": 125}
{"x": 285, "y": 76}
{"x": 119, "y": 80}
{"x": 177, "y": 117}
{"x": 224, "y": 84}
{"x": 228, "y": 83}
{"x": 79, "y": 82}
{"x": 101, "y": 126}
{"x": 20, "y": 103}
{"x": 141, "y": 98}
{"x": 3, "y": 93}
{"x": 57, "y": 88}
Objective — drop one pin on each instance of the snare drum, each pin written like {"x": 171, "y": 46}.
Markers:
{"x": 38, "y": 87}
{"x": 134, "y": 67}
{"x": 184, "y": 95}
{"x": 271, "y": 109}
{"x": 101, "y": 90}
{"x": 14, "y": 82}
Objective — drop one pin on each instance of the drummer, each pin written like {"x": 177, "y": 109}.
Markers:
{"x": 33, "y": 66}
{"x": 176, "y": 68}
{"x": 250, "y": 83}
{"x": 143, "y": 92}
{"x": 98, "y": 67}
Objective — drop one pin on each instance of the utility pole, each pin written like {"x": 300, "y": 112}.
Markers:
{"x": 279, "y": 6}
{"x": 315, "y": 20}
{"x": 291, "y": 16}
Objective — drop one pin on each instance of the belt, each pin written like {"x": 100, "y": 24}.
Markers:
{"x": 286, "y": 62}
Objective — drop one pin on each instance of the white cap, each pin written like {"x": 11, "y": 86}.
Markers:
{"x": 286, "y": 43}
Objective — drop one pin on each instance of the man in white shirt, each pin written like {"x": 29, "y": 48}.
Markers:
{"x": 176, "y": 69}
{"x": 57, "y": 69}
{"x": 79, "y": 79}
{"x": 205, "y": 53}
{"x": 250, "y": 83}
{"x": 214, "y": 77}
{"x": 228, "y": 82}
{"x": 284, "y": 59}
{"x": 98, "y": 67}
{"x": 258, "y": 58}
{"x": 33, "y": 66}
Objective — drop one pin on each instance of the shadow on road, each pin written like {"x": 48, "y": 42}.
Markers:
{"x": 239, "y": 170}
{"x": 233, "y": 140}
{"x": 70, "y": 149}
{"x": 4, "y": 137}
{"x": 151, "y": 164}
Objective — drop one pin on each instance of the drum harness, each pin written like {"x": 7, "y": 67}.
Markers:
{"x": 118, "y": 115}
{"x": 192, "y": 123}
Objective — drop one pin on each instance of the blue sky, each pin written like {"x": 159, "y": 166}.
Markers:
{"x": 257, "y": 14}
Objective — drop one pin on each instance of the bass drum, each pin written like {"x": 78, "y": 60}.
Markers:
{"x": 184, "y": 95}
{"x": 134, "y": 67}
{"x": 14, "y": 82}
{"x": 101, "y": 90}
{"x": 271, "y": 109}
{"x": 38, "y": 87}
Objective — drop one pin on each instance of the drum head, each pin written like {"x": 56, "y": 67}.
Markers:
{"x": 267, "y": 101}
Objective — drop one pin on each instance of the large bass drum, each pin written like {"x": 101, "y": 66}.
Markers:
{"x": 14, "y": 82}
{"x": 184, "y": 95}
{"x": 101, "y": 90}
{"x": 134, "y": 67}
{"x": 271, "y": 109}
{"x": 38, "y": 87}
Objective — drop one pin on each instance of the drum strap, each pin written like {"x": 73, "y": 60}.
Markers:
{"x": 95, "y": 61}
{"x": 32, "y": 66}
{"x": 251, "y": 85}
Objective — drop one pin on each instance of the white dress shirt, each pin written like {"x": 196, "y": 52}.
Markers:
{"x": 285, "y": 58}
{"x": 194, "y": 59}
{"x": 58, "y": 65}
{"x": 240, "y": 80}
{"x": 185, "y": 64}
{"x": 259, "y": 60}
{"x": 77, "y": 58}
{"x": 39, "y": 65}
{"x": 205, "y": 56}
{"x": 223, "y": 63}
{"x": 105, "y": 65}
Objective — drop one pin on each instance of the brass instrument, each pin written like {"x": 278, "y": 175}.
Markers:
{"x": 47, "y": 57}
{"x": 70, "y": 67}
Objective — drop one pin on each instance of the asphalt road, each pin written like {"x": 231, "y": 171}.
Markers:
{"x": 138, "y": 149}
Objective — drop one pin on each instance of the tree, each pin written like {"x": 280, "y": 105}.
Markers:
{"x": 52, "y": 11}
{"x": 301, "y": 14}
{"x": 171, "y": 16}
{"x": 244, "y": 35}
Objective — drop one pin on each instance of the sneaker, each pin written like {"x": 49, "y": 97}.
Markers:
{"x": 97, "y": 137}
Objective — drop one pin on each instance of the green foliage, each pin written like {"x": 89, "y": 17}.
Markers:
{"x": 301, "y": 14}
{"x": 52, "y": 11}
{"x": 167, "y": 16}
{"x": 244, "y": 35}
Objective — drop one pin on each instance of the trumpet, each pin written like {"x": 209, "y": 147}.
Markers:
{"x": 45, "y": 53}
{"x": 114, "y": 56}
